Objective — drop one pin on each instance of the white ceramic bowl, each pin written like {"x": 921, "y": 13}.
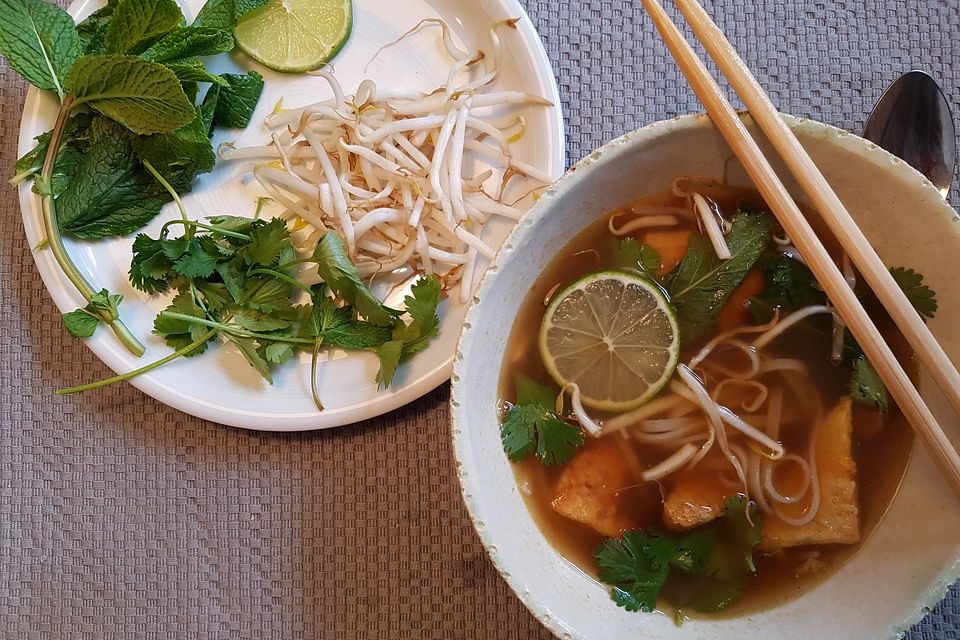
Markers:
{"x": 906, "y": 565}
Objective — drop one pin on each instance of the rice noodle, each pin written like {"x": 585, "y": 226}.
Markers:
{"x": 671, "y": 464}
{"x": 643, "y": 222}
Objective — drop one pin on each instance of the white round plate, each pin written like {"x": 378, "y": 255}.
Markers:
{"x": 219, "y": 385}
{"x": 907, "y": 563}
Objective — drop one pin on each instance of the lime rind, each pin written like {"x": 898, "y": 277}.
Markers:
{"x": 662, "y": 305}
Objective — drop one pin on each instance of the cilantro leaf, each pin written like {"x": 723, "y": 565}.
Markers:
{"x": 146, "y": 97}
{"x": 637, "y": 578}
{"x": 149, "y": 267}
{"x": 248, "y": 349}
{"x": 180, "y": 333}
{"x": 701, "y": 285}
{"x": 39, "y": 41}
{"x": 421, "y": 305}
{"x": 103, "y": 307}
{"x": 136, "y": 24}
{"x": 530, "y": 428}
{"x": 80, "y": 324}
{"x": 188, "y": 42}
{"x": 267, "y": 241}
{"x": 238, "y": 99}
{"x": 922, "y": 297}
{"x": 866, "y": 387}
{"x": 264, "y": 293}
{"x": 195, "y": 262}
{"x": 278, "y": 352}
{"x": 389, "y": 355}
{"x": 258, "y": 321}
{"x": 342, "y": 277}
{"x": 530, "y": 391}
{"x": 736, "y": 537}
{"x": 631, "y": 254}
{"x": 789, "y": 285}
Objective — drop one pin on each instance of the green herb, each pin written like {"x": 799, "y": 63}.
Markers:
{"x": 39, "y": 41}
{"x": 631, "y": 254}
{"x": 102, "y": 308}
{"x": 189, "y": 42}
{"x": 532, "y": 426}
{"x": 342, "y": 276}
{"x": 704, "y": 567}
{"x": 136, "y": 24}
{"x": 237, "y": 99}
{"x": 113, "y": 63}
{"x": 789, "y": 286}
{"x": 922, "y": 297}
{"x": 225, "y": 14}
{"x": 866, "y": 387}
{"x": 530, "y": 391}
{"x": 234, "y": 281}
{"x": 702, "y": 283}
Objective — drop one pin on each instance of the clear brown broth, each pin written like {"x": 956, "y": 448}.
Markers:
{"x": 881, "y": 454}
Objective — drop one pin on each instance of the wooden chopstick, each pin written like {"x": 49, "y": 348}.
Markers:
{"x": 821, "y": 264}
{"x": 825, "y": 201}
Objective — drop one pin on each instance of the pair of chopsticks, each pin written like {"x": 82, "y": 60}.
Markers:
{"x": 836, "y": 216}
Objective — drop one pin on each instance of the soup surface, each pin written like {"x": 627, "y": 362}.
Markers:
{"x": 608, "y": 470}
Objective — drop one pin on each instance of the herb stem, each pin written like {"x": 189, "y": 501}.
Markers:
{"x": 206, "y": 227}
{"x": 23, "y": 175}
{"x": 313, "y": 374}
{"x": 190, "y": 230}
{"x": 52, "y": 229}
{"x": 136, "y": 372}
{"x": 280, "y": 276}
{"x": 232, "y": 329}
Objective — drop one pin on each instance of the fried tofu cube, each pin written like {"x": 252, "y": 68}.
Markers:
{"x": 695, "y": 499}
{"x": 587, "y": 490}
{"x": 838, "y": 519}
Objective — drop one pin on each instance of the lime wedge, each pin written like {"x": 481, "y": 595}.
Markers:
{"x": 615, "y": 335}
{"x": 293, "y": 36}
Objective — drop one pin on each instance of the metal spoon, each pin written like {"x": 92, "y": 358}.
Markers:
{"x": 912, "y": 120}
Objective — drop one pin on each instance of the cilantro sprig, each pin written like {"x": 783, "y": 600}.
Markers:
{"x": 235, "y": 283}
{"x": 706, "y": 566}
{"x": 531, "y": 426}
{"x": 127, "y": 79}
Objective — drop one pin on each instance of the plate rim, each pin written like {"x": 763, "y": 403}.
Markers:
{"x": 106, "y": 349}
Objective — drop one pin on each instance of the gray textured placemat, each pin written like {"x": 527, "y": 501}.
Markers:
{"x": 121, "y": 518}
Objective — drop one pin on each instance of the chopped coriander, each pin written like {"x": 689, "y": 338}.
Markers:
{"x": 922, "y": 297}
{"x": 529, "y": 428}
{"x": 866, "y": 387}
{"x": 704, "y": 567}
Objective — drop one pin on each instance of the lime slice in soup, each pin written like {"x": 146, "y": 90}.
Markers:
{"x": 615, "y": 335}
{"x": 294, "y": 36}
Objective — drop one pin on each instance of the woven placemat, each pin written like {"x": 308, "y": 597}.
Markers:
{"x": 121, "y": 518}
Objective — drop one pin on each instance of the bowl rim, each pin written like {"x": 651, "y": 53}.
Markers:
{"x": 925, "y": 600}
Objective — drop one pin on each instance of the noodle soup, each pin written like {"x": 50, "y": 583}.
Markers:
{"x": 717, "y": 444}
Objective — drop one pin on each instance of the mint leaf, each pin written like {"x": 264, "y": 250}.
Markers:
{"x": 866, "y": 387}
{"x": 179, "y": 156}
{"x": 76, "y": 136}
{"x": 93, "y": 30}
{"x": 192, "y": 70}
{"x": 110, "y": 194}
{"x": 209, "y": 107}
{"x": 225, "y": 14}
{"x": 701, "y": 285}
{"x": 188, "y": 42}
{"x": 342, "y": 277}
{"x": 144, "y": 96}
{"x": 920, "y": 295}
{"x": 39, "y": 41}
{"x": 238, "y": 99}
{"x": 136, "y": 24}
